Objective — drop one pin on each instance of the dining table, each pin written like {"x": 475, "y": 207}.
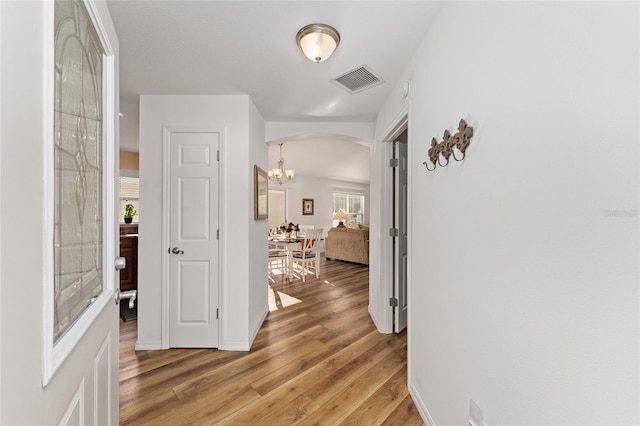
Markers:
{"x": 290, "y": 244}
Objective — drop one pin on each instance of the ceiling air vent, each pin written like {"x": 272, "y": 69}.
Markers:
{"x": 358, "y": 79}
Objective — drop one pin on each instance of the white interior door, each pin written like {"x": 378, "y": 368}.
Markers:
{"x": 193, "y": 238}
{"x": 400, "y": 242}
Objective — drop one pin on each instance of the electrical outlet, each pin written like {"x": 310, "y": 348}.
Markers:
{"x": 476, "y": 418}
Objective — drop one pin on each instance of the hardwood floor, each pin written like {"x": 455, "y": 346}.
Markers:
{"x": 317, "y": 359}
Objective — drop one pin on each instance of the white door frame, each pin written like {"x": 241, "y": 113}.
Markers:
{"x": 400, "y": 204}
{"x": 386, "y": 217}
{"x": 166, "y": 222}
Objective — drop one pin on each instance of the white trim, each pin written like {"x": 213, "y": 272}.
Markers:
{"x": 410, "y": 248}
{"x": 166, "y": 206}
{"x": 77, "y": 400}
{"x": 397, "y": 125}
{"x": 385, "y": 322}
{"x": 148, "y": 345}
{"x": 385, "y": 244}
{"x": 49, "y": 366}
{"x": 239, "y": 345}
{"x": 374, "y": 318}
{"x": 104, "y": 348}
{"x": 222, "y": 243}
{"x": 100, "y": 29}
{"x": 166, "y": 226}
{"x": 350, "y": 191}
{"x": 54, "y": 355}
{"x": 420, "y": 405}
{"x": 258, "y": 326}
{"x": 236, "y": 345}
{"x": 1, "y": 207}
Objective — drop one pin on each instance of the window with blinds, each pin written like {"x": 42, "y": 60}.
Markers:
{"x": 129, "y": 194}
{"x": 351, "y": 204}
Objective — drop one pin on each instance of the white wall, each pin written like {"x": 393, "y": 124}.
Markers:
{"x": 241, "y": 148}
{"x": 258, "y": 229}
{"x": 320, "y": 190}
{"x": 524, "y": 257}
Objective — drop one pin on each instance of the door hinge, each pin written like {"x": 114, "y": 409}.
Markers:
{"x": 217, "y": 234}
{"x": 393, "y": 162}
{"x": 217, "y": 313}
{"x": 393, "y": 302}
{"x": 218, "y": 155}
{"x": 393, "y": 232}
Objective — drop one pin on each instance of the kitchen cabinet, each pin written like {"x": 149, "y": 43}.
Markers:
{"x": 129, "y": 250}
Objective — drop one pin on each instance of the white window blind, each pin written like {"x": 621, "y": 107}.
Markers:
{"x": 129, "y": 194}
{"x": 129, "y": 188}
{"x": 351, "y": 204}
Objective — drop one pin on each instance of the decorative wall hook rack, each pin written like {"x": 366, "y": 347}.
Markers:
{"x": 440, "y": 152}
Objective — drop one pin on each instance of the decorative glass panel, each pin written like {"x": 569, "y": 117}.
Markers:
{"x": 78, "y": 164}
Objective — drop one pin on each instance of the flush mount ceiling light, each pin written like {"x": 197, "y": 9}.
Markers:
{"x": 318, "y": 41}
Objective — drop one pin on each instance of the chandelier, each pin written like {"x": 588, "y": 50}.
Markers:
{"x": 280, "y": 175}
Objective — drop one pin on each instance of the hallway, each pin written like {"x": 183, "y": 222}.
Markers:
{"x": 317, "y": 359}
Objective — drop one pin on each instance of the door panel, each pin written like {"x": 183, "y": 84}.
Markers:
{"x": 193, "y": 293}
{"x": 194, "y": 215}
{"x": 193, "y": 251}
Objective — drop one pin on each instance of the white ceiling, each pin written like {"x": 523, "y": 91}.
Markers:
{"x": 324, "y": 158}
{"x": 248, "y": 47}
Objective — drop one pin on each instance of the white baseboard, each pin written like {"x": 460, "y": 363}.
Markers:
{"x": 241, "y": 345}
{"x": 235, "y": 346}
{"x": 148, "y": 345}
{"x": 376, "y": 323}
{"x": 258, "y": 326}
{"x": 420, "y": 405}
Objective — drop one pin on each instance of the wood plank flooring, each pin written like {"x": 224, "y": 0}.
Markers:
{"x": 317, "y": 360}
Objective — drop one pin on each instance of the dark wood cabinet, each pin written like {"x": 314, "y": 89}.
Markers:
{"x": 129, "y": 275}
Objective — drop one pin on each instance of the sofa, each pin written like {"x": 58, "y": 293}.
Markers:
{"x": 348, "y": 244}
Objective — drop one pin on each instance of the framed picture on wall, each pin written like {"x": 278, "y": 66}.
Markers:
{"x": 307, "y": 206}
{"x": 261, "y": 193}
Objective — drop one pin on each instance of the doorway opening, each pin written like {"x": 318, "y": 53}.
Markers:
{"x": 277, "y": 208}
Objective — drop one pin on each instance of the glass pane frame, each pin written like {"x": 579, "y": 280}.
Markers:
{"x": 55, "y": 353}
{"x": 352, "y": 203}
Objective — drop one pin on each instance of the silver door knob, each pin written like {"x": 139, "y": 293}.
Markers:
{"x": 176, "y": 250}
{"x": 130, "y": 294}
{"x": 120, "y": 263}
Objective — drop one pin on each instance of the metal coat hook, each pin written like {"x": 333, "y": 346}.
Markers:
{"x": 433, "y": 154}
{"x": 444, "y": 148}
{"x": 449, "y": 145}
{"x": 462, "y": 139}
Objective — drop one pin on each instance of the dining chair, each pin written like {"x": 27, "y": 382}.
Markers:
{"x": 308, "y": 255}
{"x": 278, "y": 258}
